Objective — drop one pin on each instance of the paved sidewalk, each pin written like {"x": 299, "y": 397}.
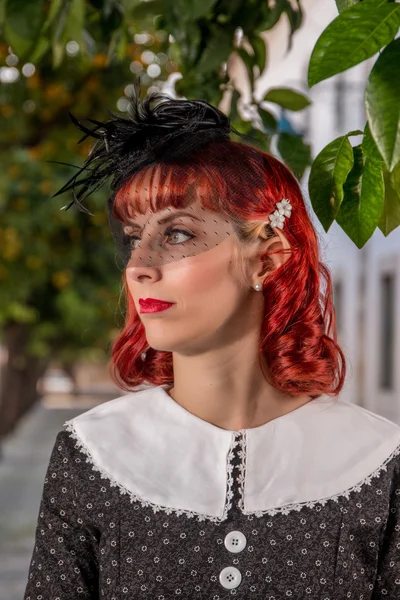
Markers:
{"x": 25, "y": 456}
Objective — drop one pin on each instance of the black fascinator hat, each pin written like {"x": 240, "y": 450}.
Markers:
{"x": 157, "y": 129}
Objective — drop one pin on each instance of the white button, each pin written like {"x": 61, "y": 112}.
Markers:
{"x": 230, "y": 577}
{"x": 235, "y": 541}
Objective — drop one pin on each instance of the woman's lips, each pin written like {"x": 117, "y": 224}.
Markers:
{"x": 152, "y": 306}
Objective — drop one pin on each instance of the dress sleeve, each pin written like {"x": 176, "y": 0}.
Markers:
{"x": 64, "y": 563}
{"x": 387, "y": 582}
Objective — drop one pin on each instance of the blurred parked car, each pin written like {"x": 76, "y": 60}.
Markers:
{"x": 55, "y": 381}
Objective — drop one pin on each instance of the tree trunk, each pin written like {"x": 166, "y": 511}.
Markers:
{"x": 19, "y": 377}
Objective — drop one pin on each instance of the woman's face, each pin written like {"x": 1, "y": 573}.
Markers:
{"x": 211, "y": 306}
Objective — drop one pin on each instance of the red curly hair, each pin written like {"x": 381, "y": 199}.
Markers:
{"x": 298, "y": 337}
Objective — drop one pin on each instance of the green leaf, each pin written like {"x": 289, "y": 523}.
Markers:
{"x": 55, "y": 8}
{"x": 268, "y": 120}
{"x": 287, "y": 98}
{"x": 260, "y": 51}
{"x": 69, "y": 27}
{"x": 42, "y": 46}
{"x": 118, "y": 43}
{"x": 295, "y": 17}
{"x": 354, "y": 132}
{"x": 244, "y": 127}
{"x": 343, "y": 4}
{"x": 295, "y": 152}
{"x": 249, "y": 61}
{"x": 217, "y": 50}
{"x": 269, "y": 14}
{"x": 22, "y": 25}
{"x": 234, "y": 115}
{"x": 369, "y": 147}
{"x": 195, "y": 9}
{"x": 188, "y": 48}
{"x": 271, "y": 17}
{"x": 390, "y": 218}
{"x": 362, "y": 204}
{"x": 356, "y": 34}
{"x": 21, "y": 313}
{"x": 259, "y": 139}
{"x": 328, "y": 173}
{"x": 382, "y": 103}
{"x": 2, "y": 11}
{"x": 146, "y": 9}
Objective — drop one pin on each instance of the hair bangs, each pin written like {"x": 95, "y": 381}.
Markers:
{"x": 169, "y": 185}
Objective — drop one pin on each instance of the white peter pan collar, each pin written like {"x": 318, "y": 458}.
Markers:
{"x": 166, "y": 457}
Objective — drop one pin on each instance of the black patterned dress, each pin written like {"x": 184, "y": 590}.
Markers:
{"x": 145, "y": 501}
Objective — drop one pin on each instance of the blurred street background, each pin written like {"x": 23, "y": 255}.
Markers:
{"x": 23, "y": 465}
{"x": 60, "y": 279}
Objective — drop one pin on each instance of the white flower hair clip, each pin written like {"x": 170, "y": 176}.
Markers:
{"x": 284, "y": 209}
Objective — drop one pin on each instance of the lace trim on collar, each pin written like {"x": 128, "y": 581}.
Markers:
{"x": 69, "y": 426}
{"x": 285, "y": 510}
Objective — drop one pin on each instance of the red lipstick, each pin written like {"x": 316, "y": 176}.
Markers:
{"x": 151, "y": 305}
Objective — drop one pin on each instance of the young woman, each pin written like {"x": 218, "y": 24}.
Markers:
{"x": 230, "y": 467}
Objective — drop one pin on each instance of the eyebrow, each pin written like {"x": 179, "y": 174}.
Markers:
{"x": 171, "y": 217}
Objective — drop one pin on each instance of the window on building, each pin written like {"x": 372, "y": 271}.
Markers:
{"x": 348, "y": 103}
{"x": 338, "y": 304}
{"x": 340, "y": 98}
{"x": 386, "y": 345}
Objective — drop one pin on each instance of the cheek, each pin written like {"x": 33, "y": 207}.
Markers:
{"x": 207, "y": 277}
{"x": 194, "y": 279}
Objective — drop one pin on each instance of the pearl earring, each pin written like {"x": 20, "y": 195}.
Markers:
{"x": 258, "y": 287}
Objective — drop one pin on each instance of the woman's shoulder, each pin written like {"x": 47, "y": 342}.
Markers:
{"x": 123, "y": 401}
{"x": 123, "y": 422}
{"x": 355, "y": 422}
{"x": 348, "y": 435}
{"x": 103, "y": 417}
{"x": 119, "y": 410}
{"x": 91, "y": 439}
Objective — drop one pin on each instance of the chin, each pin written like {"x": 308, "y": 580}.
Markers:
{"x": 183, "y": 347}
{"x": 161, "y": 343}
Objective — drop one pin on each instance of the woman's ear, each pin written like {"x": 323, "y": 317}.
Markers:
{"x": 278, "y": 242}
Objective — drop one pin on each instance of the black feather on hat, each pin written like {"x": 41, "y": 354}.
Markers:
{"x": 166, "y": 132}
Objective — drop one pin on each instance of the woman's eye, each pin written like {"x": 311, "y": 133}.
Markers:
{"x": 188, "y": 235}
{"x": 168, "y": 234}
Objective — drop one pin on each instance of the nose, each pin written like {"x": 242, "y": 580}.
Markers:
{"x": 142, "y": 273}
